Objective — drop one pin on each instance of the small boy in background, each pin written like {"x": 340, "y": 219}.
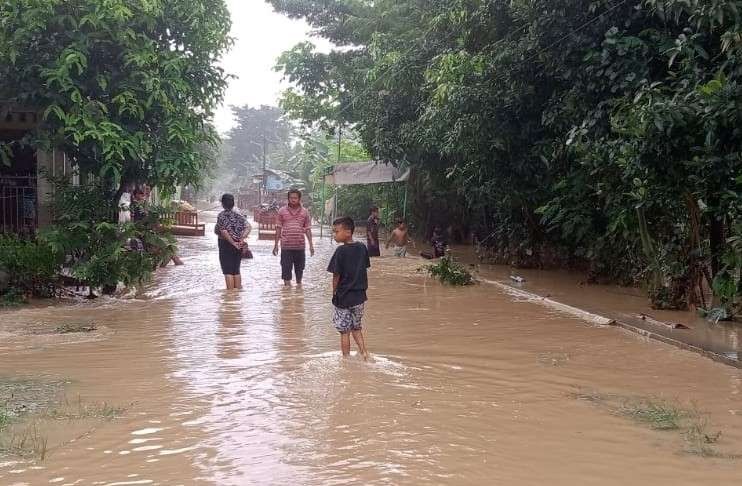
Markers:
{"x": 438, "y": 244}
{"x": 349, "y": 284}
{"x": 399, "y": 239}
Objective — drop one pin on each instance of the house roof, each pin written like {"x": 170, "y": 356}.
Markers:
{"x": 287, "y": 180}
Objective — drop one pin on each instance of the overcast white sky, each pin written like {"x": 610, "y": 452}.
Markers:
{"x": 261, "y": 35}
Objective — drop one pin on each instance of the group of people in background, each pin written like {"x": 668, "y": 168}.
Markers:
{"x": 348, "y": 265}
{"x": 293, "y": 230}
{"x": 399, "y": 238}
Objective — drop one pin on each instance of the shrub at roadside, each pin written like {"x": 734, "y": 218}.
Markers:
{"x": 29, "y": 268}
{"x": 728, "y": 282}
{"x": 83, "y": 244}
{"x": 447, "y": 270}
{"x": 98, "y": 252}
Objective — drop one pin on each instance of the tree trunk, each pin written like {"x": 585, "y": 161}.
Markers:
{"x": 716, "y": 238}
{"x": 694, "y": 291}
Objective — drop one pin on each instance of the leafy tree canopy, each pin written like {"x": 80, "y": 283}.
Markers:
{"x": 127, "y": 87}
{"x": 258, "y": 133}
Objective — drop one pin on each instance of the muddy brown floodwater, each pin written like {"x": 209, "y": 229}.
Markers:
{"x": 467, "y": 386}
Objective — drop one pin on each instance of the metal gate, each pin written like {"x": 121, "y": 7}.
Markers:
{"x": 18, "y": 208}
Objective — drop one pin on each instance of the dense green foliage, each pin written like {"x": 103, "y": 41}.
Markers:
{"x": 127, "y": 87}
{"x": 96, "y": 251}
{"x": 603, "y": 134}
{"x": 83, "y": 244}
{"x": 31, "y": 268}
{"x": 449, "y": 271}
{"x": 258, "y": 133}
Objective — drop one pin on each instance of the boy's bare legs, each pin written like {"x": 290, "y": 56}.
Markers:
{"x": 360, "y": 342}
{"x": 345, "y": 343}
{"x": 229, "y": 281}
{"x": 237, "y": 281}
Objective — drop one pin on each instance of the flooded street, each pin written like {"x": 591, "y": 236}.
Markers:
{"x": 467, "y": 386}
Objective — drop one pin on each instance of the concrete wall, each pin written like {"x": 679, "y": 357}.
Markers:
{"x": 56, "y": 164}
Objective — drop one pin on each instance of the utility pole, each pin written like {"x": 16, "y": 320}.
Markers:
{"x": 264, "y": 189}
{"x": 340, "y": 142}
{"x": 261, "y": 187}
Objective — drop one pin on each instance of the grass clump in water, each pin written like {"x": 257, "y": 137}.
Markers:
{"x": 28, "y": 443}
{"x": 31, "y": 406}
{"x": 447, "y": 270}
{"x": 657, "y": 414}
{"x": 79, "y": 410}
{"x": 4, "y": 416}
{"x": 76, "y": 327}
{"x": 698, "y": 439}
{"x": 662, "y": 415}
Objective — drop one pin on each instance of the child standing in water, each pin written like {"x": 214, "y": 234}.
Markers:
{"x": 349, "y": 284}
{"x": 399, "y": 239}
{"x": 438, "y": 245}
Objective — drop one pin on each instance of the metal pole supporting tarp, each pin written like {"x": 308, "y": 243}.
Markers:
{"x": 340, "y": 145}
{"x": 322, "y": 199}
{"x": 404, "y": 205}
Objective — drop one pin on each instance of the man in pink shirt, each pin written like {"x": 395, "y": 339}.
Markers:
{"x": 293, "y": 226}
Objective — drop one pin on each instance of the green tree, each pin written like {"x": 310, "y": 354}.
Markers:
{"x": 258, "y": 132}
{"x": 597, "y": 134}
{"x": 127, "y": 87}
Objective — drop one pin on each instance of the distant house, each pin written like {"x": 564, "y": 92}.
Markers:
{"x": 279, "y": 181}
{"x": 24, "y": 192}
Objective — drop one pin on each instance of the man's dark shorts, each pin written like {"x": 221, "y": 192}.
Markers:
{"x": 292, "y": 259}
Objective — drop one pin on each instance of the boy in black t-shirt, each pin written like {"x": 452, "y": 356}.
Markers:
{"x": 349, "y": 284}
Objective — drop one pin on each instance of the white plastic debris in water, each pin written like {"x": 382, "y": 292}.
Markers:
{"x": 517, "y": 279}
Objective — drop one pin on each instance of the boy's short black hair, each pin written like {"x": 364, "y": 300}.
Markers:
{"x": 227, "y": 201}
{"x": 372, "y": 209}
{"x": 294, "y": 190}
{"x": 138, "y": 192}
{"x": 400, "y": 221}
{"x": 346, "y": 223}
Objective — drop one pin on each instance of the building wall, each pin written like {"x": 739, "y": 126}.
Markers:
{"x": 56, "y": 164}
{"x": 16, "y": 122}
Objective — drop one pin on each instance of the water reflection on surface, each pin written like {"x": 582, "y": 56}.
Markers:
{"x": 467, "y": 386}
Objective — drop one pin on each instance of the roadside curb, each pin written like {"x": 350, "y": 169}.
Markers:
{"x": 607, "y": 321}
